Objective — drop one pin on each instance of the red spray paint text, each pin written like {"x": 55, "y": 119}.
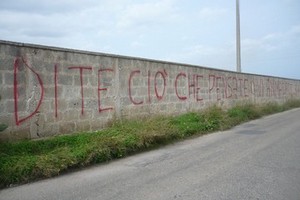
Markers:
{"x": 187, "y": 87}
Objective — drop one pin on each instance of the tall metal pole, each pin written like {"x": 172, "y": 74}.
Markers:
{"x": 238, "y": 39}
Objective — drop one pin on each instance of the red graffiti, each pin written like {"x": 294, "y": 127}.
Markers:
{"x": 163, "y": 75}
{"x": 211, "y": 85}
{"x": 216, "y": 83}
{"x": 55, "y": 90}
{"x": 176, "y": 84}
{"x": 102, "y": 89}
{"x": 129, "y": 88}
{"x": 228, "y": 88}
{"x": 218, "y": 79}
{"x": 16, "y": 66}
{"x": 241, "y": 87}
{"x": 149, "y": 83}
{"x": 158, "y": 93}
{"x": 81, "y": 83}
{"x": 246, "y": 88}
{"x": 147, "y": 86}
{"x": 198, "y": 88}
{"x": 192, "y": 85}
{"x": 235, "y": 88}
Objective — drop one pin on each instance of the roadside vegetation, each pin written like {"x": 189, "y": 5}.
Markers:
{"x": 29, "y": 160}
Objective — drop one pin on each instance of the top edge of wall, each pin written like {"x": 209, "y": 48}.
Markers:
{"x": 61, "y": 49}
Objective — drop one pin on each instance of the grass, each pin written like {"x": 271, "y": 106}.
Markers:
{"x": 29, "y": 160}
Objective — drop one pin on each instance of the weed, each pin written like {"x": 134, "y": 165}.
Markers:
{"x": 25, "y": 161}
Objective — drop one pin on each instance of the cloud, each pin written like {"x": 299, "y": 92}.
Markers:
{"x": 295, "y": 30}
{"x": 57, "y": 23}
{"x": 145, "y": 14}
{"x": 52, "y": 22}
{"x": 31, "y": 24}
{"x": 211, "y": 13}
{"x": 273, "y": 50}
{"x": 45, "y": 7}
{"x": 222, "y": 57}
{"x": 195, "y": 32}
{"x": 272, "y": 43}
{"x": 273, "y": 54}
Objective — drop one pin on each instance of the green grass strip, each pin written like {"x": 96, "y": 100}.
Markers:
{"x": 29, "y": 160}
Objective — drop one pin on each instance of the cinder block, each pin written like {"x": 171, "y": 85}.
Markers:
{"x": 66, "y": 86}
{"x": 64, "y": 79}
{"x": 67, "y": 127}
{"x": 10, "y": 106}
{"x": 9, "y": 78}
{"x": 19, "y": 134}
{"x": 1, "y": 77}
{"x": 83, "y": 126}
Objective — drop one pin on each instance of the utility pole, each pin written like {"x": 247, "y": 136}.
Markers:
{"x": 238, "y": 38}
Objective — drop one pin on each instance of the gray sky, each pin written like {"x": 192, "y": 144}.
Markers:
{"x": 199, "y": 32}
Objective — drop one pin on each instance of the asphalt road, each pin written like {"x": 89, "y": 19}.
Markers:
{"x": 257, "y": 160}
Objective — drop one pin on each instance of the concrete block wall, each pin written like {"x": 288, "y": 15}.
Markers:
{"x": 47, "y": 91}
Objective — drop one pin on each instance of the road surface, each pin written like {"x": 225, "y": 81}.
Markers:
{"x": 256, "y": 160}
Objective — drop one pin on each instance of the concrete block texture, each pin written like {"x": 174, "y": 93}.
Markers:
{"x": 47, "y": 90}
